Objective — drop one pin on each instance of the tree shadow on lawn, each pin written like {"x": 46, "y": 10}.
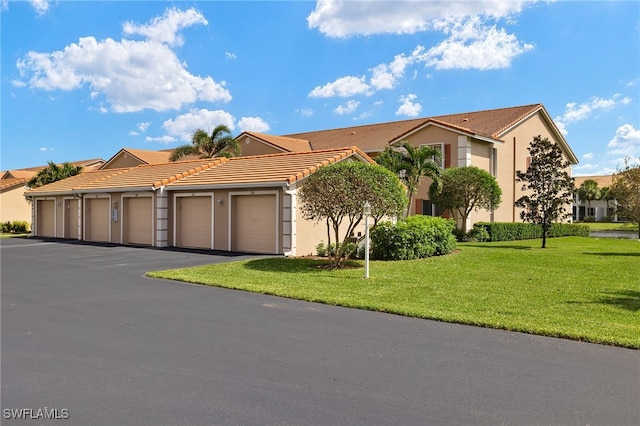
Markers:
{"x": 279, "y": 264}
{"x": 625, "y": 299}
{"x": 613, "y": 254}
{"x": 485, "y": 245}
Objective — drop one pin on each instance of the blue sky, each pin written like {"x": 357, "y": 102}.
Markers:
{"x": 83, "y": 79}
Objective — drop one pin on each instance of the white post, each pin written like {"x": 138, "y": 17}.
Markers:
{"x": 366, "y": 211}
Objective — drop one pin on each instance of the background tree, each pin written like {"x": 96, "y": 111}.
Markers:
{"x": 219, "y": 144}
{"x": 548, "y": 186}
{"x": 626, "y": 189}
{"x": 53, "y": 173}
{"x": 411, "y": 165}
{"x": 465, "y": 189}
{"x": 589, "y": 191}
{"x": 607, "y": 195}
{"x": 337, "y": 194}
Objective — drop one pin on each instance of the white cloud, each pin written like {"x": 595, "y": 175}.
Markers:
{"x": 44, "y": 149}
{"x": 142, "y": 127}
{"x": 183, "y": 126}
{"x": 41, "y": 6}
{"x": 588, "y": 156}
{"x": 574, "y": 112}
{"x": 165, "y": 29}
{"x": 342, "y": 87}
{"x": 166, "y": 139}
{"x": 339, "y": 18}
{"x": 473, "y": 45}
{"x": 131, "y": 75}
{"x": 229, "y": 55}
{"x": 305, "y": 112}
{"x": 626, "y": 142}
{"x": 253, "y": 124}
{"x": 408, "y": 107}
{"x": 347, "y": 108}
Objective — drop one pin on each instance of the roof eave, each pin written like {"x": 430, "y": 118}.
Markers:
{"x": 272, "y": 184}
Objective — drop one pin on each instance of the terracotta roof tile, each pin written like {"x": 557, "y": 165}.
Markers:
{"x": 69, "y": 184}
{"x": 284, "y": 143}
{"x": 375, "y": 137}
{"x": 8, "y": 183}
{"x": 147, "y": 176}
{"x": 274, "y": 169}
{"x": 603, "y": 181}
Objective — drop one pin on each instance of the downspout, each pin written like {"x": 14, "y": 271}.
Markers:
{"x": 514, "y": 180}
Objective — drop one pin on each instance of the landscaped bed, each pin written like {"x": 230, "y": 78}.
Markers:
{"x": 579, "y": 288}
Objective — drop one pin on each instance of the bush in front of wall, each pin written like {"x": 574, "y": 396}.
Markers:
{"x": 509, "y": 231}
{"x": 16, "y": 227}
{"x": 413, "y": 238}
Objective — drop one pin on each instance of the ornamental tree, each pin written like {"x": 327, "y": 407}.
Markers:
{"x": 337, "y": 193}
{"x": 626, "y": 189}
{"x": 548, "y": 186}
{"x": 465, "y": 189}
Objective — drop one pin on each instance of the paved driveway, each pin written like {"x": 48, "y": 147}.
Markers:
{"x": 84, "y": 331}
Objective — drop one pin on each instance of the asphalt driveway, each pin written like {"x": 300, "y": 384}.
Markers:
{"x": 87, "y": 336}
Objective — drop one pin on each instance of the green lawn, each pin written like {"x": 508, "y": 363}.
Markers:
{"x": 579, "y": 288}
{"x": 609, "y": 226}
{"x": 12, "y": 235}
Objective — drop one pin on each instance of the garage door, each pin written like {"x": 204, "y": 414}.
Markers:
{"x": 193, "y": 227}
{"x": 139, "y": 221}
{"x": 98, "y": 219}
{"x": 71, "y": 219}
{"x": 46, "y": 218}
{"x": 255, "y": 225}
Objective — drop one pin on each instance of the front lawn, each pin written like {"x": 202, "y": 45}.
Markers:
{"x": 12, "y": 235}
{"x": 579, "y": 288}
{"x": 610, "y": 226}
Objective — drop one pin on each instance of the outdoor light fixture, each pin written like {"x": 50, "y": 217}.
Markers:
{"x": 220, "y": 201}
{"x": 366, "y": 211}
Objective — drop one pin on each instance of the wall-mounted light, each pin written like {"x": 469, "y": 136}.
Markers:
{"x": 220, "y": 201}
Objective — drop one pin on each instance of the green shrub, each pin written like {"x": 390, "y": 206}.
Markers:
{"x": 19, "y": 226}
{"x": 321, "y": 249}
{"x": 5, "y": 227}
{"x": 508, "y": 231}
{"x": 413, "y": 238}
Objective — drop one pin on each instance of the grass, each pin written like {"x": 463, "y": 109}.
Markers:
{"x": 578, "y": 288}
{"x": 12, "y": 235}
{"x": 610, "y": 226}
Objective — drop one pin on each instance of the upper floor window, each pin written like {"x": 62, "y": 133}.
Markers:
{"x": 440, "y": 148}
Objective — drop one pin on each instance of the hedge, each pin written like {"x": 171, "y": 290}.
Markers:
{"x": 508, "y": 231}
{"x": 413, "y": 238}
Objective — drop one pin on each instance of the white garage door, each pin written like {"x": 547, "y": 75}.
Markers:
{"x": 193, "y": 227}
{"x": 46, "y": 218}
{"x": 255, "y": 224}
{"x": 97, "y": 219}
{"x": 139, "y": 221}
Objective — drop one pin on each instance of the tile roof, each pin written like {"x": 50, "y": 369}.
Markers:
{"x": 145, "y": 176}
{"x": 284, "y": 143}
{"x": 375, "y": 137}
{"x": 274, "y": 169}
{"x": 142, "y": 155}
{"x": 8, "y": 183}
{"x": 277, "y": 169}
{"x": 69, "y": 184}
{"x": 603, "y": 181}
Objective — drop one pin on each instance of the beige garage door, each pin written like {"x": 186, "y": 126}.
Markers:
{"x": 138, "y": 221}
{"x": 97, "y": 214}
{"x": 255, "y": 224}
{"x": 193, "y": 227}
{"x": 71, "y": 219}
{"x": 46, "y": 218}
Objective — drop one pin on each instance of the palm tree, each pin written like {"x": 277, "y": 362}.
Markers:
{"x": 219, "y": 144}
{"x": 412, "y": 165}
{"x": 589, "y": 191}
{"x": 53, "y": 173}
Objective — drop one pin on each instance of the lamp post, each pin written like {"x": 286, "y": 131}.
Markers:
{"x": 366, "y": 211}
